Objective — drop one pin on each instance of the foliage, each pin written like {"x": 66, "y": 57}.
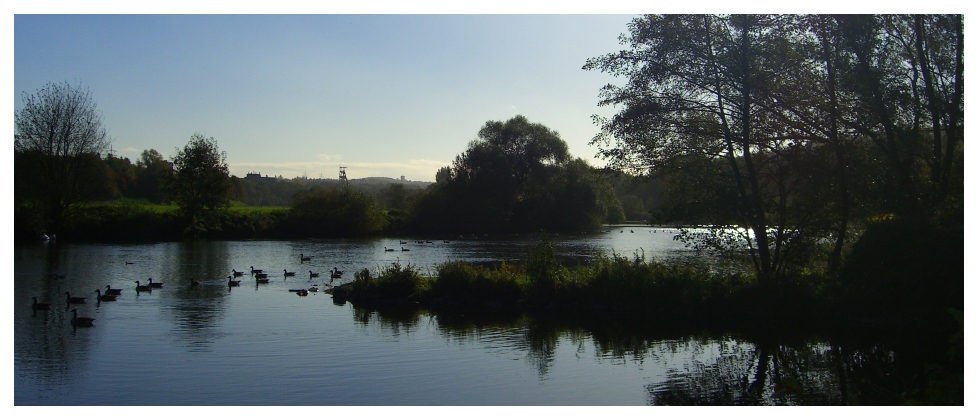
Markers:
{"x": 796, "y": 128}
{"x": 517, "y": 176}
{"x": 153, "y": 174}
{"x": 463, "y": 285}
{"x": 200, "y": 184}
{"x": 58, "y": 139}
{"x": 904, "y": 270}
{"x": 321, "y": 212}
{"x": 393, "y": 282}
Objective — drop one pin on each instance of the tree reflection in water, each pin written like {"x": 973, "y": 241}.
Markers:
{"x": 706, "y": 369}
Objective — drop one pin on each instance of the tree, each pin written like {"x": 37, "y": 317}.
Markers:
{"x": 797, "y": 126}
{"x": 517, "y": 176}
{"x": 201, "y": 184}
{"x": 153, "y": 173}
{"x": 322, "y": 212}
{"x": 58, "y": 138}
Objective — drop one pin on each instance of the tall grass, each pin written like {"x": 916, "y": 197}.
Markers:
{"x": 612, "y": 285}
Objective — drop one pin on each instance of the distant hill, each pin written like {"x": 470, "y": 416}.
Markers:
{"x": 256, "y": 190}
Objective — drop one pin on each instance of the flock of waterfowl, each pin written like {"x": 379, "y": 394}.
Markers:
{"x": 110, "y": 294}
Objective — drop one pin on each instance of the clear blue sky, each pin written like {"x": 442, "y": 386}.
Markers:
{"x": 384, "y": 95}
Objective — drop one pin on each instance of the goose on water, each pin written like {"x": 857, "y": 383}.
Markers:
{"x": 112, "y": 292}
{"x": 142, "y": 287}
{"x": 233, "y": 283}
{"x": 261, "y": 275}
{"x": 104, "y": 298}
{"x": 253, "y": 271}
{"x": 40, "y": 306}
{"x": 386, "y": 249}
{"x": 311, "y": 274}
{"x": 236, "y": 273}
{"x": 261, "y": 279}
{"x": 314, "y": 289}
{"x": 80, "y": 321}
{"x": 403, "y": 249}
{"x": 74, "y": 299}
{"x": 289, "y": 273}
{"x": 333, "y": 274}
{"x": 304, "y": 258}
{"x": 154, "y": 285}
{"x": 337, "y": 271}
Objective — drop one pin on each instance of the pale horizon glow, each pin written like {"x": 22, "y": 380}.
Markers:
{"x": 302, "y": 95}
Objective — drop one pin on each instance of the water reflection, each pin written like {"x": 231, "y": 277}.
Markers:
{"x": 698, "y": 370}
{"x": 196, "y": 311}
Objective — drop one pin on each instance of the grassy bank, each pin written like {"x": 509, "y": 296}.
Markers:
{"x": 127, "y": 221}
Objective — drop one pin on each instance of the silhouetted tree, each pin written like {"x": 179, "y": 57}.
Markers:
{"x": 517, "y": 176}
{"x": 201, "y": 185}
{"x": 58, "y": 137}
{"x": 153, "y": 173}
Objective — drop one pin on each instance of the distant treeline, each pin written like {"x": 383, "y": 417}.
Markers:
{"x": 517, "y": 177}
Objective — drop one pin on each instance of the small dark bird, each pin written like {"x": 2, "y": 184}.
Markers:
{"x": 74, "y": 299}
{"x": 142, "y": 288}
{"x": 40, "y": 306}
{"x": 237, "y": 273}
{"x": 311, "y": 274}
{"x": 289, "y": 273}
{"x": 304, "y": 258}
{"x": 155, "y": 285}
{"x": 403, "y": 249}
{"x": 253, "y": 271}
{"x": 104, "y": 298}
{"x": 80, "y": 321}
{"x": 194, "y": 283}
{"x": 261, "y": 276}
{"x": 386, "y": 249}
{"x": 302, "y": 292}
{"x": 112, "y": 292}
{"x": 262, "y": 280}
{"x": 128, "y": 262}
{"x": 233, "y": 283}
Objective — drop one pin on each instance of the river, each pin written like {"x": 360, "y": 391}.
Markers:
{"x": 259, "y": 344}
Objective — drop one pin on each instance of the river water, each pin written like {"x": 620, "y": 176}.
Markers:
{"x": 259, "y": 344}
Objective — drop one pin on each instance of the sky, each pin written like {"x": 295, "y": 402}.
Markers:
{"x": 302, "y": 95}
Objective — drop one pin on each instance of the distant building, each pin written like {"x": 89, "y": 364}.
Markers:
{"x": 402, "y": 178}
{"x": 256, "y": 176}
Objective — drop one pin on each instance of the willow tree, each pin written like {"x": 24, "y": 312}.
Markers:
{"x": 58, "y": 140}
